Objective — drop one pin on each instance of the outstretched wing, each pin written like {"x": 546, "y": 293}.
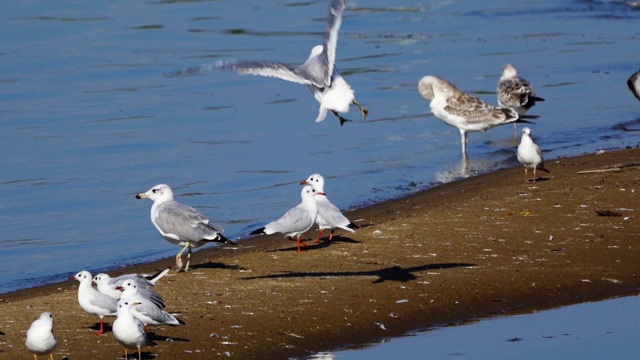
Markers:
{"x": 334, "y": 21}
{"x": 266, "y": 68}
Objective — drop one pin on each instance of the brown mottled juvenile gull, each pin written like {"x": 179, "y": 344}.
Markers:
{"x": 464, "y": 111}
{"x": 515, "y": 92}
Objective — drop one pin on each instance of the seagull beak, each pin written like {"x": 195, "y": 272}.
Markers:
{"x": 304, "y": 182}
{"x": 141, "y": 196}
{"x": 73, "y": 278}
{"x": 119, "y": 288}
{"x": 136, "y": 303}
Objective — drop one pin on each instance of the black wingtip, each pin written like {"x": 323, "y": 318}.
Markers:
{"x": 257, "y": 231}
{"x": 522, "y": 119}
{"x": 353, "y": 226}
{"x": 224, "y": 240}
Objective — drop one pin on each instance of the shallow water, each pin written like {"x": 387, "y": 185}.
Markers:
{"x": 596, "y": 330}
{"x": 89, "y": 119}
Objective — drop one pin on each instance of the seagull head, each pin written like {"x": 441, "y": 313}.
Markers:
{"x": 315, "y": 180}
{"x": 83, "y": 277}
{"x": 159, "y": 193}
{"x": 509, "y": 72}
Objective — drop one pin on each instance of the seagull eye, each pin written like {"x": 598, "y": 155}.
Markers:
{"x": 154, "y": 191}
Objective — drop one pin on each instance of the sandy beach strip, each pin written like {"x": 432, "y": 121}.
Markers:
{"x": 489, "y": 244}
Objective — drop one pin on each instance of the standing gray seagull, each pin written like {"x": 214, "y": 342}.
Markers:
{"x": 515, "y": 92}
{"x": 319, "y": 72}
{"x": 634, "y": 84}
{"x": 180, "y": 224}
{"x": 464, "y": 111}
{"x": 530, "y": 155}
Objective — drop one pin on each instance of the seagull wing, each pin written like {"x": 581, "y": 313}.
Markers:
{"x": 334, "y": 20}
{"x": 469, "y": 107}
{"x": 184, "y": 223}
{"x": 268, "y": 69}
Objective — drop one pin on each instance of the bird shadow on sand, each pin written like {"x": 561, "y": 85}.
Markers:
{"x": 133, "y": 354}
{"x": 394, "y": 273}
{"x": 96, "y": 327}
{"x": 313, "y": 245}
{"x": 216, "y": 265}
{"x": 538, "y": 179}
{"x": 160, "y": 338}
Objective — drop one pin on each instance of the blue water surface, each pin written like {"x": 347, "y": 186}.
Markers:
{"x": 89, "y": 118}
{"x": 588, "y": 331}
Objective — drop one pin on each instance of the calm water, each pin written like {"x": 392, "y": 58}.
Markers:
{"x": 89, "y": 119}
{"x": 591, "y": 331}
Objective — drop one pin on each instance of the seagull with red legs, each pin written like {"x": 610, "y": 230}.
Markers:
{"x": 296, "y": 221}
{"x": 93, "y": 301}
{"x": 329, "y": 216}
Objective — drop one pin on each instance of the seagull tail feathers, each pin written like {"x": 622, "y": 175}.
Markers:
{"x": 155, "y": 277}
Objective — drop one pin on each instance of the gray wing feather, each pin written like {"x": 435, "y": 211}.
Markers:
{"x": 295, "y": 220}
{"x": 104, "y": 302}
{"x": 332, "y": 216}
{"x": 334, "y": 21}
{"x": 249, "y": 67}
{"x": 184, "y": 222}
{"x": 268, "y": 69}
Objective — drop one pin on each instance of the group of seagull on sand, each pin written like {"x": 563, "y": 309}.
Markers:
{"x": 131, "y": 298}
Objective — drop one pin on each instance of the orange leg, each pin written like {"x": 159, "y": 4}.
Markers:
{"x": 319, "y": 237}
{"x": 300, "y": 243}
{"x": 331, "y": 236}
{"x": 101, "y": 327}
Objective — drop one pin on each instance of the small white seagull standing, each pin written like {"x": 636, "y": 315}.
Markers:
{"x": 181, "y": 224}
{"x": 297, "y": 220}
{"x": 108, "y": 285}
{"x": 93, "y": 301}
{"x": 464, "y": 111}
{"x": 319, "y": 72}
{"x": 329, "y": 216}
{"x": 634, "y": 84}
{"x": 515, "y": 92}
{"x": 530, "y": 155}
{"x": 40, "y": 338}
{"x": 148, "y": 310}
{"x": 128, "y": 330}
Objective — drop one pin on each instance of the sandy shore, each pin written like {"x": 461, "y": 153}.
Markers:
{"x": 484, "y": 245}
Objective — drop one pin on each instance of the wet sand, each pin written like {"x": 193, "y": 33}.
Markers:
{"x": 485, "y": 245}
